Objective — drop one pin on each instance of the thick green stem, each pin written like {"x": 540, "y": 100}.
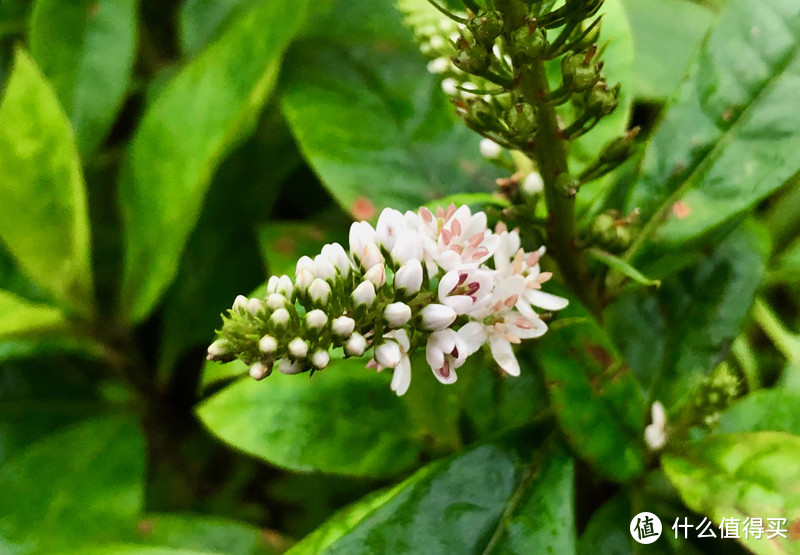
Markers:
{"x": 550, "y": 153}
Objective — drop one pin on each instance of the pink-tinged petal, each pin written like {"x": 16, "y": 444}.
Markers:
{"x": 545, "y": 300}
{"x": 473, "y": 336}
{"x": 462, "y": 214}
{"x": 445, "y": 374}
{"x": 490, "y": 244}
{"x": 401, "y": 378}
{"x": 528, "y": 328}
{"x": 425, "y": 215}
{"x": 504, "y": 355}
{"x": 475, "y": 224}
{"x": 510, "y": 287}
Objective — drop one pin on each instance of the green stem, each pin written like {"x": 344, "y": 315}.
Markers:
{"x": 785, "y": 341}
{"x": 550, "y": 155}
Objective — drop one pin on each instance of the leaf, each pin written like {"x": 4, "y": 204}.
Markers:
{"x": 740, "y": 476}
{"x": 666, "y": 34}
{"x": 184, "y": 134}
{"x": 86, "y": 50}
{"x": 344, "y": 420}
{"x": 283, "y": 242}
{"x": 607, "y": 530}
{"x": 730, "y": 135}
{"x": 93, "y": 473}
{"x": 201, "y": 21}
{"x": 373, "y": 124}
{"x": 622, "y": 267}
{"x": 677, "y": 335}
{"x": 457, "y": 505}
{"x": 771, "y": 409}
{"x": 43, "y": 217}
{"x": 597, "y": 400}
{"x": 18, "y": 317}
{"x": 202, "y": 533}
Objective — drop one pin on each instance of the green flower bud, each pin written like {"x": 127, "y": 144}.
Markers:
{"x": 526, "y": 46}
{"x": 521, "y": 120}
{"x": 480, "y": 115}
{"x": 486, "y": 27}
{"x": 603, "y": 229}
{"x": 472, "y": 57}
{"x": 577, "y": 73}
{"x": 567, "y": 184}
{"x": 601, "y": 100}
{"x": 617, "y": 150}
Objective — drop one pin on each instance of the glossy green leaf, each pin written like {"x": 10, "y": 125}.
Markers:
{"x": 740, "y": 476}
{"x": 373, "y": 124}
{"x": 18, "y": 316}
{"x": 343, "y": 420}
{"x": 607, "y": 531}
{"x": 730, "y": 135}
{"x": 131, "y": 549}
{"x": 86, "y": 49}
{"x": 184, "y": 134}
{"x": 597, "y": 400}
{"x": 772, "y": 409}
{"x": 202, "y": 21}
{"x": 493, "y": 498}
{"x": 94, "y": 473}
{"x": 202, "y": 533}
{"x": 666, "y": 34}
{"x": 43, "y": 217}
{"x": 677, "y": 335}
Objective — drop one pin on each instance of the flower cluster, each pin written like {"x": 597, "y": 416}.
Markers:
{"x": 440, "y": 280}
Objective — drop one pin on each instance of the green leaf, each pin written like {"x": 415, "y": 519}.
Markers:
{"x": 202, "y": 533}
{"x": 184, "y": 134}
{"x": 344, "y": 420}
{"x": 677, "y": 335}
{"x": 86, "y": 49}
{"x": 283, "y": 242}
{"x": 740, "y": 476}
{"x": 597, "y": 400}
{"x": 93, "y": 474}
{"x": 772, "y": 409}
{"x": 666, "y": 34}
{"x": 607, "y": 530}
{"x": 201, "y": 21}
{"x": 373, "y": 124}
{"x": 43, "y": 216}
{"x": 493, "y": 498}
{"x": 622, "y": 267}
{"x": 19, "y": 317}
{"x": 730, "y": 135}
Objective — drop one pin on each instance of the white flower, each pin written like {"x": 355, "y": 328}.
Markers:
{"x": 450, "y": 86}
{"x": 501, "y": 325}
{"x": 316, "y": 319}
{"x": 320, "y": 359}
{"x": 280, "y": 317}
{"x": 437, "y": 316}
{"x": 408, "y": 277}
{"x": 393, "y": 353}
{"x": 324, "y": 268}
{"x": 655, "y": 434}
{"x": 218, "y": 348}
{"x": 276, "y": 301}
{"x": 259, "y": 371}
{"x": 298, "y": 347}
{"x": 343, "y": 326}
{"x": 319, "y": 291}
{"x": 286, "y": 366}
{"x": 376, "y": 275}
{"x": 240, "y": 303}
{"x": 454, "y": 237}
{"x": 439, "y": 65}
{"x": 267, "y": 344}
{"x": 338, "y": 257}
{"x": 356, "y": 345}
{"x": 533, "y": 184}
{"x": 255, "y": 306}
{"x": 304, "y": 263}
{"x": 285, "y": 286}
{"x": 364, "y": 293}
{"x": 363, "y": 245}
{"x": 445, "y": 352}
{"x": 408, "y": 247}
{"x": 490, "y": 149}
{"x": 466, "y": 289}
{"x": 397, "y": 314}
{"x": 272, "y": 285}
{"x": 390, "y": 227}
{"x": 304, "y": 279}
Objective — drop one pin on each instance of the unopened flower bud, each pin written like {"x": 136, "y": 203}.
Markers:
{"x": 259, "y": 371}
{"x": 602, "y": 100}
{"x": 521, "y": 120}
{"x": 319, "y": 291}
{"x": 255, "y": 306}
{"x": 220, "y": 350}
{"x": 240, "y": 303}
{"x": 376, "y": 275}
{"x": 276, "y": 301}
{"x": 533, "y": 184}
{"x": 304, "y": 263}
{"x": 298, "y": 347}
{"x": 409, "y": 277}
{"x": 490, "y": 149}
{"x": 316, "y": 319}
{"x": 486, "y": 27}
{"x": 578, "y": 73}
{"x": 397, "y": 314}
{"x": 286, "y": 366}
{"x": 472, "y": 57}
{"x": 338, "y": 257}
{"x": 408, "y": 247}
{"x": 320, "y": 359}
{"x": 324, "y": 268}
{"x": 388, "y": 353}
{"x": 280, "y": 317}
{"x": 364, "y": 293}
{"x": 303, "y": 279}
{"x": 285, "y": 286}
{"x": 527, "y": 46}
{"x": 437, "y": 317}
{"x": 450, "y": 86}
{"x": 267, "y": 344}
{"x": 439, "y": 65}
{"x": 343, "y": 326}
{"x": 356, "y": 345}
{"x": 272, "y": 284}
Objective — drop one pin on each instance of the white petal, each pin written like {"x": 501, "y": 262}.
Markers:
{"x": 448, "y": 260}
{"x": 460, "y": 303}
{"x": 504, "y": 355}
{"x": 473, "y": 334}
{"x": 545, "y": 300}
{"x": 401, "y": 378}
{"x": 447, "y": 283}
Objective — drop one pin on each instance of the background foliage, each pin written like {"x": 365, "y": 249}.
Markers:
{"x": 159, "y": 157}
